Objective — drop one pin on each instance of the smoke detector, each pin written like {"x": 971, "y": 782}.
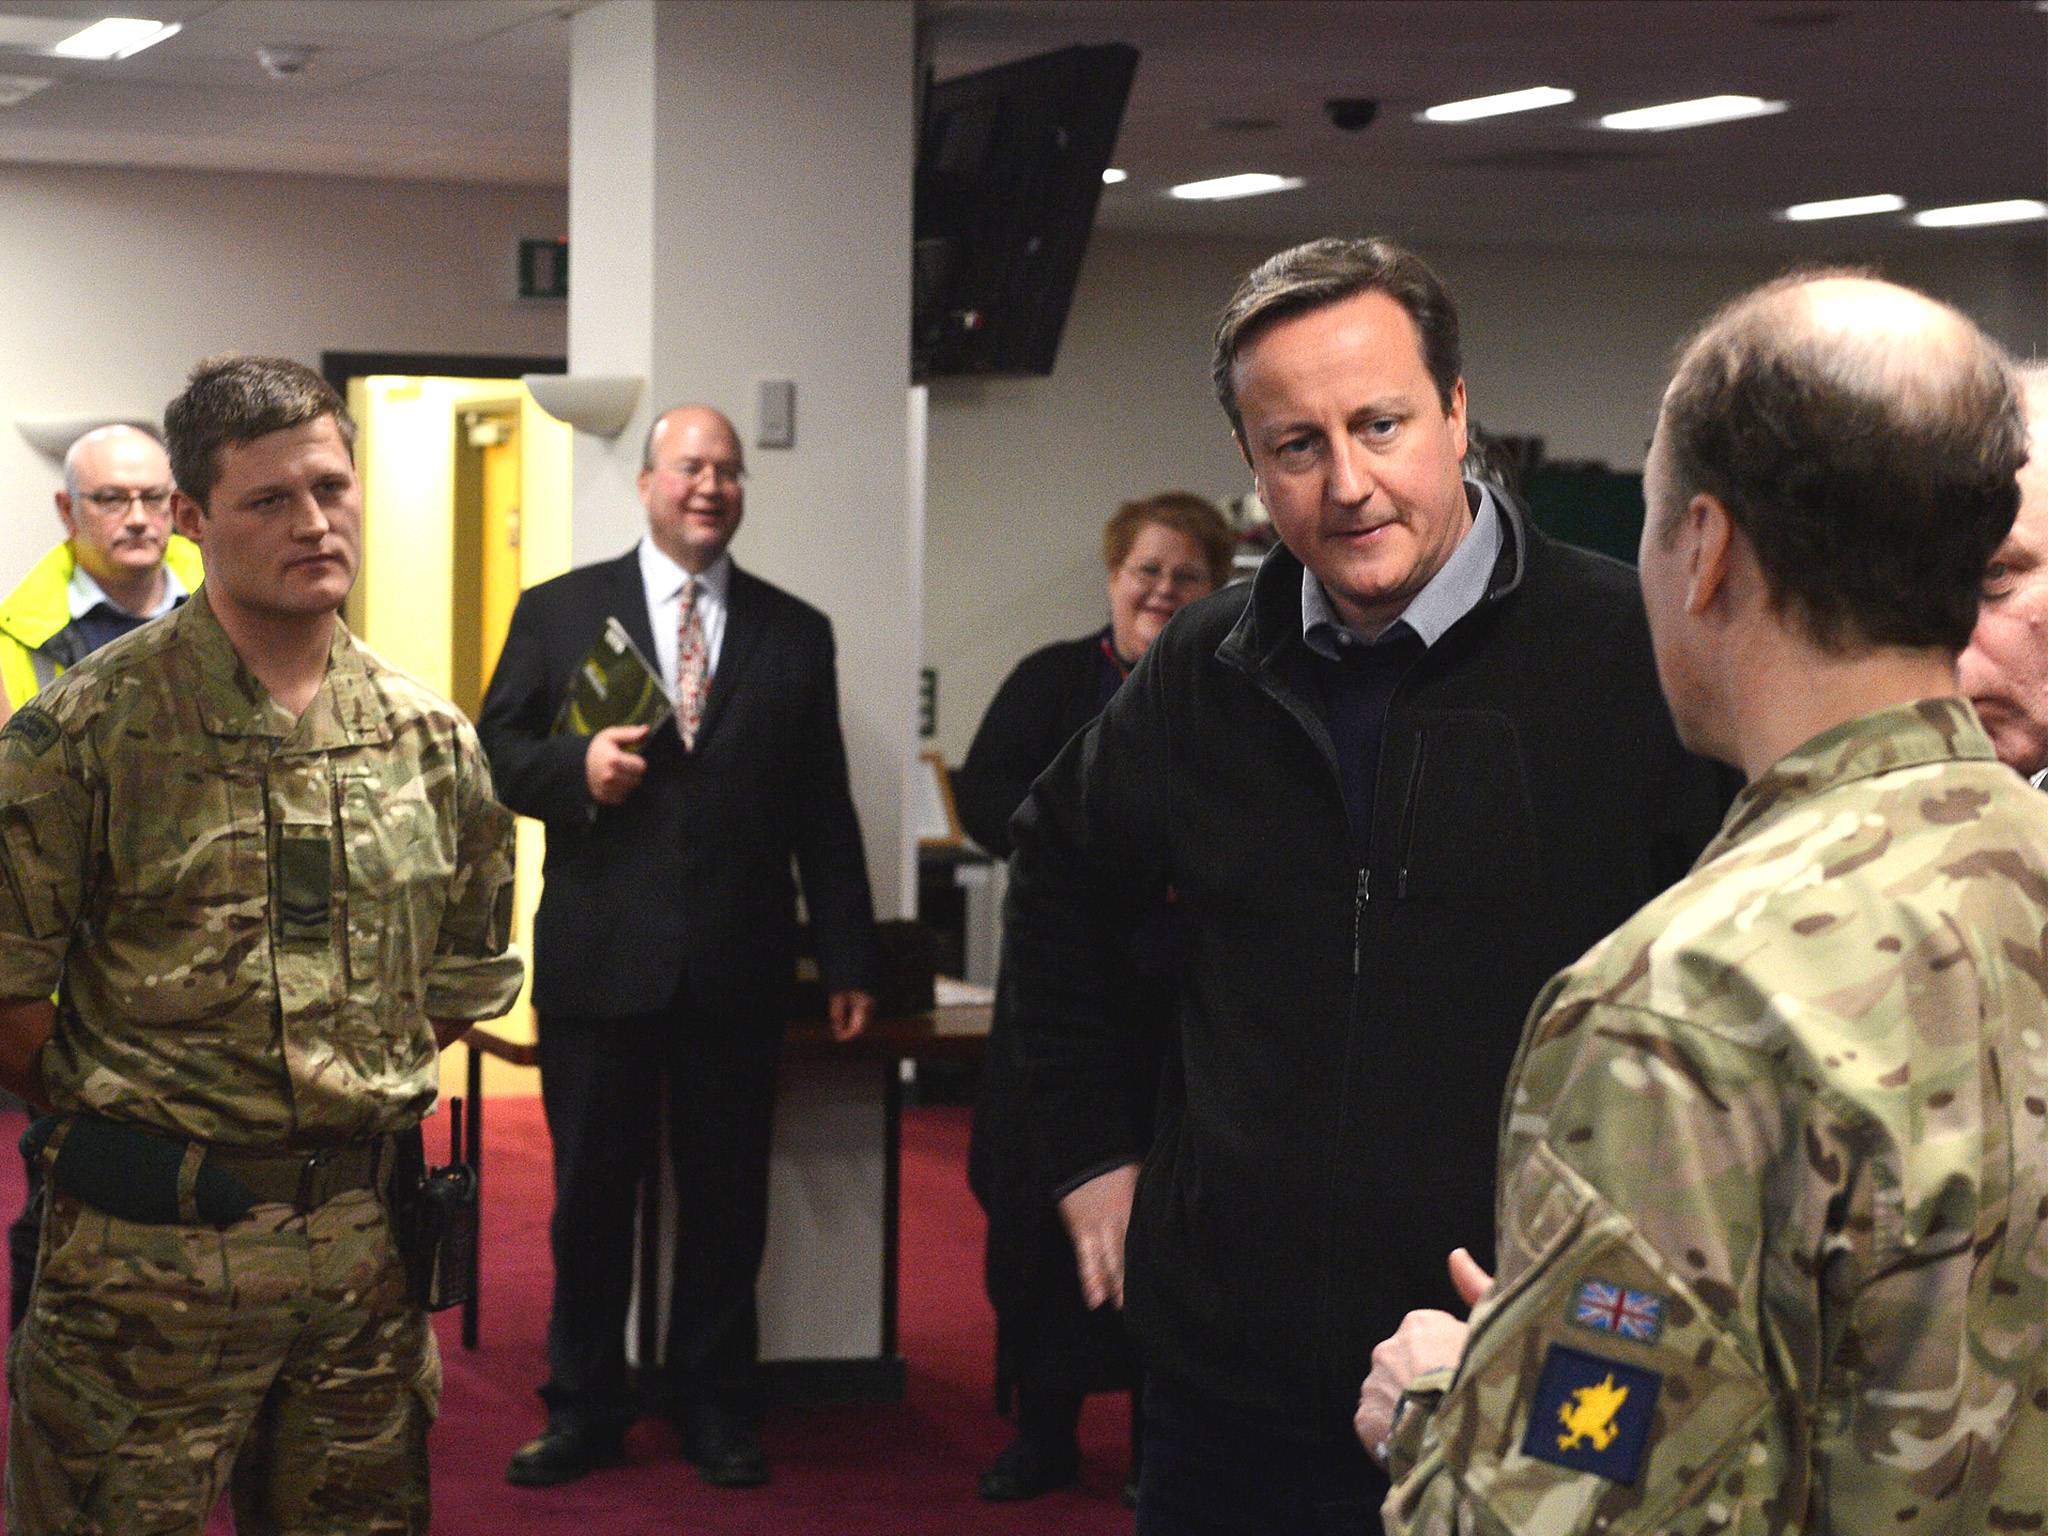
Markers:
{"x": 285, "y": 61}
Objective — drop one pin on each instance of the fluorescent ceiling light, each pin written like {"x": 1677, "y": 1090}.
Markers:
{"x": 1845, "y": 207}
{"x": 1111, "y": 176}
{"x": 15, "y": 89}
{"x": 2014, "y": 210}
{"x": 1691, "y": 114}
{"x": 1496, "y": 106}
{"x": 116, "y": 37}
{"x": 1219, "y": 188}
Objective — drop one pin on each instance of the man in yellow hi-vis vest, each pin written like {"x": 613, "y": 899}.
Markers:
{"x": 118, "y": 567}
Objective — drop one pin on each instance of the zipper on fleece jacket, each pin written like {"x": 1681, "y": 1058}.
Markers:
{"x": 1319, "y": 734}
{"x": 1408, "y": 815}
{"x": 1358, "y": 922}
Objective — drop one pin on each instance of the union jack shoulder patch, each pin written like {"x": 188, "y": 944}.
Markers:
{"x": 1606, "y": 1308}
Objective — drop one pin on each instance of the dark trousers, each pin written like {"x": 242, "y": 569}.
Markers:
{"x": 1206, "y": 1473}
{"x": 602, "y": 1087}
{"x": 1051, "y": 1418}
{"x": 22, "y": 1239}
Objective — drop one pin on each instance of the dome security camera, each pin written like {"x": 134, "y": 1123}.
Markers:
{"x": 285, "y": 61}
{"x": 1352, "y": 114}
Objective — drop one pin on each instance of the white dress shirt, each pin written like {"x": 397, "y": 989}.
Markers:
{"x": 664, "y": 580}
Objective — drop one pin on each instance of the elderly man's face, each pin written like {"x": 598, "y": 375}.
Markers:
{"x": 2005, "y": 669}
{"x": 119, "y": 518}
{"x": 1357, "y": 458}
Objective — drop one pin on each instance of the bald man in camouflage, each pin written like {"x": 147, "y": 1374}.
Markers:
{"x": 1774, "y": 1162}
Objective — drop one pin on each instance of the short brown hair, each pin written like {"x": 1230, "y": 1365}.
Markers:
{"x": 237, "y": 399}
{"x": 1874, "y": 477}
{"x": 1182, "y": 511}
{"x": 1329, "y": 271}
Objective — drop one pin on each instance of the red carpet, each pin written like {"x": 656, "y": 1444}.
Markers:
{"x": 905, "y": 1469}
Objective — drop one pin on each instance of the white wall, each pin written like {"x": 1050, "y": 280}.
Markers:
{"x": 1577, "y": 348}
{"x": 1024, "y": 472}
{"x": 117, "y": 281}
{"x": 1573, "y": 347}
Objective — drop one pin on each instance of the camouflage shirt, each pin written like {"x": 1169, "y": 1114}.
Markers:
{"x": 1774, "y": 1182}
{"x": 248, "y": 919}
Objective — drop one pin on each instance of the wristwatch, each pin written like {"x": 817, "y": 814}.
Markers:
{"x": 1383, "y": 1453}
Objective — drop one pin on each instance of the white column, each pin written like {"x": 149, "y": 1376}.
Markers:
{"x": 739, "y": 211}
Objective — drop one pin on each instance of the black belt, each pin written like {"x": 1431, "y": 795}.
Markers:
{"x": 142, "y": 1175}
{"x": 304, "y": 1180}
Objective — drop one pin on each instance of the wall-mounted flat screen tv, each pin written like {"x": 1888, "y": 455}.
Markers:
{"x": 1009, "y": 168}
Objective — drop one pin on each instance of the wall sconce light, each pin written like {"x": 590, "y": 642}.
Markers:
{"x": 600, "y": 404}
{"x": 54, "y": 435}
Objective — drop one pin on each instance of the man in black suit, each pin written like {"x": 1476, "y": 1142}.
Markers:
{"x": 666, "y": 940}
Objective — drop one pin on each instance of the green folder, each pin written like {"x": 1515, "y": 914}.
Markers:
{"x": 614, "y": 685}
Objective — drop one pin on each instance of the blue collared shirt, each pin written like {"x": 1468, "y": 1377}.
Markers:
{"x": 1454, "y": 591}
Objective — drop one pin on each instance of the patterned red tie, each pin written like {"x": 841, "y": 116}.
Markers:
{"x": 693, "y": 667}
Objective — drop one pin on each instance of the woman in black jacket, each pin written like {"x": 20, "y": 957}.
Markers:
{"x": 1161, "y": 553}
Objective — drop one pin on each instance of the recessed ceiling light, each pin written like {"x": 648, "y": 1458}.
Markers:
{"x": 1247, "y": 184}
{"x": 115, "y": 37}
{"x": 1844, "y": 207}
{"x": 1536, "y": 96}
{"x": 2014, "y": 210}
{"x": 1111, "y": 176}
{"x": 1691, "y": 114}
{"x": 15, "y": 89}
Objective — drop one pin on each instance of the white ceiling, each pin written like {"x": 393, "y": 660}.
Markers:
{"x": 1938, "y": 100}
{"x": 455, "y": 90}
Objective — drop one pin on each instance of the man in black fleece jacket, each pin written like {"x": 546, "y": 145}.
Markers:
{"x": 1420, "y": 768}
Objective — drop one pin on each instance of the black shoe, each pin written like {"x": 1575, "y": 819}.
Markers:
{"x": 561, "y": 1454}
{"x": 1028, "y": 1468}
{"x": 723, "y": 1447}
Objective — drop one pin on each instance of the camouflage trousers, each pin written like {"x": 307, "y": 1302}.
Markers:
{"x": 156, "y": 1358}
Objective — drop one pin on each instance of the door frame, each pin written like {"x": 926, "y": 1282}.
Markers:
{"x": 337, "y": 368}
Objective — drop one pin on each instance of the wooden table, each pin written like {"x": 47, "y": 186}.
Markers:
{"x": 861, "y": 1076}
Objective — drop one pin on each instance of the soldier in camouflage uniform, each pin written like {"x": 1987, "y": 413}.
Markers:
{"x": 1773, "y": 1211}
{"x": 266, "y": 877}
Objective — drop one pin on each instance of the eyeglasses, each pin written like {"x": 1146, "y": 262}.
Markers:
{"x": 692, "y": 470}
{"x": 113, "y": 499}
{"x": 1151, "y": 575}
